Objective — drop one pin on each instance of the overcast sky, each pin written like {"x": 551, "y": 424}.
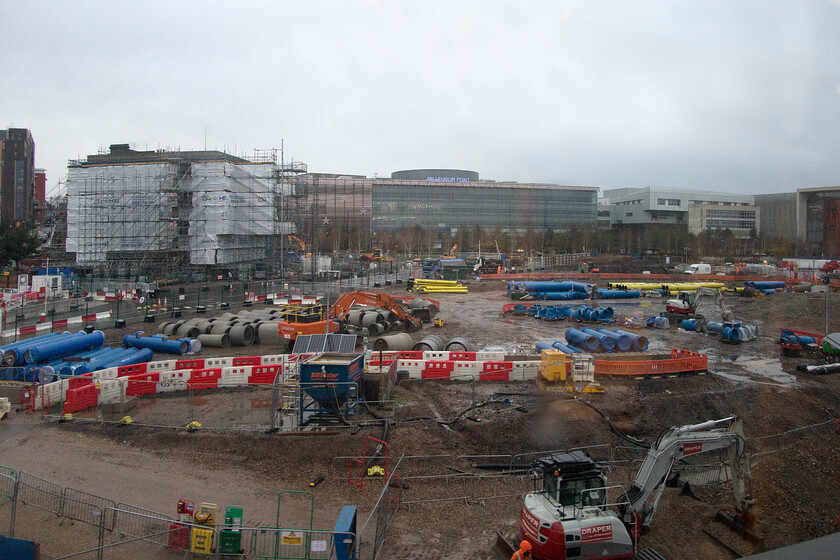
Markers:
{"x": 737, "y": 96}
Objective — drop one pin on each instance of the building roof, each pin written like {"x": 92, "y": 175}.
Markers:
{"x": 120, "y": 154}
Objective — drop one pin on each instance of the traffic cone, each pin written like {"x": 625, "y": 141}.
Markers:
{"x": 165, "y": 305}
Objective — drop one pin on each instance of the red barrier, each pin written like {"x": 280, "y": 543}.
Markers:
{"x": 27, "y": 330}
{"x": 81, "y": 398}
{"x": 143, "y": 384}
{"x": 60, "y": 323}
{"x": 495, "y": 371}
{"x": 264, "y": 375}
{"x": 79, "y": 381}
{"x": 133, "y": 369}
{"x": 90, "y": 317}
{"x": 437, "y": 369}
{"x": 204, "y": 378}
{"x": 247, "y": 361}
{"x": 462, "y": 356}
{"x": 195, "y": 363}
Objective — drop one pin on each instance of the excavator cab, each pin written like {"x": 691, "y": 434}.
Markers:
{"x": 572, "y": 480}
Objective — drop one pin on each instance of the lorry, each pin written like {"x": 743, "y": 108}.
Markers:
{"x": 573, "y": 515}
{"x": 699, "y": 268}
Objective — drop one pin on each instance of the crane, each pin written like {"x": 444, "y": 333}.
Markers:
{"x": 299, "y": 242}
{"x": 451, "y": 254}
{"x": 570, "y": 516}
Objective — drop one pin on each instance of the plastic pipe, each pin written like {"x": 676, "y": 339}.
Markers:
{"x": 607, "y": 342}
{"x": 622, "y": 340}
{"x": 178, "y": 346}
{"x": 580, "y": 338}
{"x": 640, "y": 342}
{"x": 133, "y": 356}
{"x": 565, "y": 348}
{"x": 15, "y": 354}
{"x": 66, "y": 347}
{"x": 558, "y": 296}
{"x": 617, "y": 294}
{"x": 765, "y": 285}
{"x": 79, "y": 368}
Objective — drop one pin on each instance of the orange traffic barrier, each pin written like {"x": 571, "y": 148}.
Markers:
{"x": 681, "y": 361}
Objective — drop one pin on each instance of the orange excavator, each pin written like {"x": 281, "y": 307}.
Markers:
{"x": 312, "y": 319}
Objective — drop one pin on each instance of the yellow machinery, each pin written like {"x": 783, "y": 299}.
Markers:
{"x": 438, "y": 322}
{"x": 558, "y": 368}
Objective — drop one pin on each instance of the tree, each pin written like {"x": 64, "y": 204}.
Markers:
{"x": 16, "y": 243}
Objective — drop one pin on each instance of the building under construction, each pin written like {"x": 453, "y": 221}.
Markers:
{"x": 154, "y": 213}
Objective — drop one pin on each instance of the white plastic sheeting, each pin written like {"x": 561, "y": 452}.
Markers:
{"x": 120, "y": 208}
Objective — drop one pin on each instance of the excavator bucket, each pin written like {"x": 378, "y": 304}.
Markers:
{"x": 422, "y": 313}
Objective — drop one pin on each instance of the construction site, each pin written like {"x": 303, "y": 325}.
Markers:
{"x": 449, "y": 423}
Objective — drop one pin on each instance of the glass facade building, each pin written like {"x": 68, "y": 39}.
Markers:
{"x": 509, "y": 206}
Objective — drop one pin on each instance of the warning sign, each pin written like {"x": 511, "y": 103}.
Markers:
{"x": 291, "y": 537}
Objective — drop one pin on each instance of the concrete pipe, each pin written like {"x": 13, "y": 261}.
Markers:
{"x": 369, "y": 319}
{"x": 226, "y": 316}
{"x": 393, "y": 342}
{"x": 220, "y": 327}
{"x": 161, "y": 327}
{"x": 204, "y": 325}
{"x": 384, "y": 325}
{"x": 214, "y": 340}
{"x": 397, "y": 326}
{"x": 241, "y": 335}
{"x": 373, "y": 329}
{"x": 169, "y": 329}
{"x": 431, "y": 343}
{"x": 458, "y": 344}
{"x": 267, "y": 333}
{"x": 354, "y": 318}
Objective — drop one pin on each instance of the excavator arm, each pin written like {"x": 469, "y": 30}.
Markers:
{"x": 677, "y": 443}
{"x": 716, "y": 295}
{"x": 342, "y": 306}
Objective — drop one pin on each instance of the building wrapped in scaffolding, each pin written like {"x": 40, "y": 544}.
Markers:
{"x": 153, "y": 212}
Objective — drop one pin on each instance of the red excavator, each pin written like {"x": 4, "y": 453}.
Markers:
{"x": 311, "y": 318}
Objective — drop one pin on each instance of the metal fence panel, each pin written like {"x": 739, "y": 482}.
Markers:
{"x": 152, "y": 527}
{"x": 7, "y": 485}
{"x": 86, "y": 508}
{"x": 294, "y": 544}
{"x": 39, "y": 493}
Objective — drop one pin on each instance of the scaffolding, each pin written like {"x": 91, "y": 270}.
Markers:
{"x": 152, "y": 213}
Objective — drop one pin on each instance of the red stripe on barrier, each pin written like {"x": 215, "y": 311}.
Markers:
{"x": 144, "y": 384}
{"x": 204, "y": 378}
{"x": 495, "y": 371}
{"x": 435, "y": 369}
{"x": 89, "y": 317}
{"x": 247, "y": 361}
{"x": 462, "y": 356}
{"x": 81, "y": 398}
{"x": 264, "y": 375}
{"x": 60, "y": 323}
{"x": 190, "y": 364}
{"x": 79, "y": 381}
{"x": 27, "y": 330}
{"x": 133, "y": 369}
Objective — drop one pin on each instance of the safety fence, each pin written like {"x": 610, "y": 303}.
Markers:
{"x": 375, "y": 528}
{"x": 118, "y": 530}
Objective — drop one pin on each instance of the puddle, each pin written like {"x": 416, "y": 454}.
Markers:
{"x": 745, "y": 368}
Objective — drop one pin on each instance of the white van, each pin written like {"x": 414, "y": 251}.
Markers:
{"x": 699, "y": 268}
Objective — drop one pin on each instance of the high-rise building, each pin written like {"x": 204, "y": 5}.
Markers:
{"x": 17, "y": 176}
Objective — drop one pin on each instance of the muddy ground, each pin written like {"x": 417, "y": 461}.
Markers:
{"x": 437, "y": 433}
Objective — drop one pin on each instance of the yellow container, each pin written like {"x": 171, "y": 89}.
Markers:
{"x": 553, "y": 366}
{"x": 202, "y": 541}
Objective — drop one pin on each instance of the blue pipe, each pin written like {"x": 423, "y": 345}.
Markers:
{"x": 34, "y": 340}
{"x": 616, "y": 294}
{"x": 559, "y": 295}
{"x": 65, "y": 347}
{"x": 623, "y": 340}
{"x": 87, "y": 366}
{"x": 607, "y": 342}
{"x": 640, "y": 342}
{"x": 692, "y": 324}
{"x": 137, "y": 357}
{"x": 543, "y": 346}
{"x": 178, "y": 346}
{"x": 30, "y": 351}
{"x": 565, "y": 348}
{"x": 578, "y": 337}
{"x": 714, "y": 328}
{"x": 765, "y": 285}
{"x": 14, "y": 353}
{"x": 768, "y": 291}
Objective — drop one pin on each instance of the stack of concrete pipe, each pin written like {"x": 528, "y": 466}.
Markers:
{"x": 373, "y": 321}
{"x": 258, "y": 326}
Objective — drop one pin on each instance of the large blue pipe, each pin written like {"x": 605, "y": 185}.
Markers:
{"x": 607, "y": 342}
{"x": 565, "y": 348}
{"x": 714, "y": 327}
{"x": 580, "y": 338}
{"x": 93, "y": 359}
{"x": 137, "y": 356}
{"x": 545, "y": 286}
{"x": 559, "y": 295}
{"x": 640, "y": 342}
{"x": 65, "y": 337}
{"x": 65, "y": 347}
{"x": 622, "y": 340}
{"x": 33, "y": 340}
{"x": 178, "y": 346}
{"x": 765, "y": 285}
{"x": 14, "y": 353}
{"x": 616, "y": 294}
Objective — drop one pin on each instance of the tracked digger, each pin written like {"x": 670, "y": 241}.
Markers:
{"x": 577, "y": 515}
{"x": 688, "y": 303}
